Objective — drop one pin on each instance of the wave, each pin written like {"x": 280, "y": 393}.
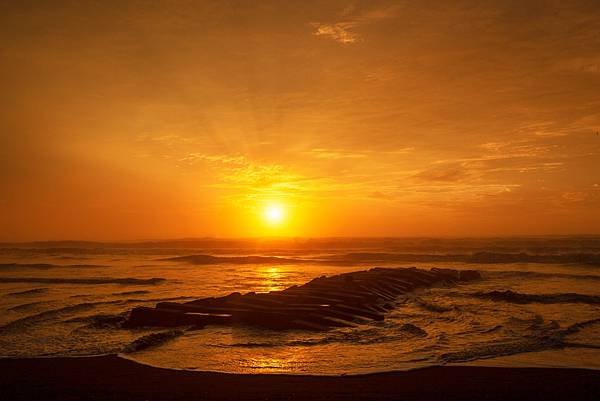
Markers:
{"x": 548, "y": 337}
{"x": 238, "y": 260}
{"x": 373, "y": 335}
{"x": 46, "y": 315}
{"x": 89, "y": 280}
{"x": 475, "y": 257}
{"x": 43, "y": 266}
{"x": 520, "y": 298}
{"x": 412, "y": 329}
{"x": 574, "y": 328}
{"x": 131, "y": 293}
{"x": 23, "y": 307}
{"x": 84, "y": 306}
{"x": 33, "y": 291}
{"x": 100, "y": 321}
{"x": 431, "y": 307}
{"x": 539, "y": 275}
{"x": 152, "y": 340}
{"x": 495, "y": 350}
{"x": 386, "y": 257}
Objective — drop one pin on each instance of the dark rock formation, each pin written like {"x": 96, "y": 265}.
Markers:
{"x": 320, "y": 304}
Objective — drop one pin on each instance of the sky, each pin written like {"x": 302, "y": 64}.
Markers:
{"x": 169, "y": 119}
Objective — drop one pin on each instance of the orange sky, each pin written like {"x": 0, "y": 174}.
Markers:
{"x": 133, "y": 120}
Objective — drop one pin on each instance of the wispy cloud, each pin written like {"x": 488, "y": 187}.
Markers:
{"x": 452, "y": 174}
{"x": 321, "y": 153}
{"x": 340, "y": 32}
{"x": 344, "y": 30}
{"x": 588, "y": 64}
{"x": 242, "y": 180}
{"x": 338, "y": 154}
{"x": 193, "y": 158}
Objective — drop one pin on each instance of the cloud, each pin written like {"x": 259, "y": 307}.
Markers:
{"x": 450, "y": 174}
{"x": 240, "y": 170}
{"x": 381, "y": 195}
{"x": 516, "y": 149}
{"x": 586, "y": 64}
{"x": 339, "y": 154}
{"x": 343, "y": 31}
{"x": 335, "y": 154}
{"x": 340, "y": 32}
{"x": 574, "y": 196}
{"x": 193, "y": 158}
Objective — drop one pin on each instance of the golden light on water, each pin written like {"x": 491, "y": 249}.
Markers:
{"x": 272, "y": 279}
{"x": 279, "y": 360}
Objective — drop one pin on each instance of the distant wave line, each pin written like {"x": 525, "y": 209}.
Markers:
{"x": 44, "y": 266}
{"x": 214, "y": 260}
{"x": 90, "y": 280}
{"x": 382, "y": 257}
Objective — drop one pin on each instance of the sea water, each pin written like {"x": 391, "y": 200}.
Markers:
{"x": 538, "y": 303}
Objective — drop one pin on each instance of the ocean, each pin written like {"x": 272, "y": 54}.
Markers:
{"x": 538, "y": 303}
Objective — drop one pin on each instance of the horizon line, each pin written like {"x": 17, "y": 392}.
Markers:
{"x": 293, "y": 238}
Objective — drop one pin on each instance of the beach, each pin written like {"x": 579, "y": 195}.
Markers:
{"x": 114, "y": 378}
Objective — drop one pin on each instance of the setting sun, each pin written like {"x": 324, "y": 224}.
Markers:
{"x": 274, "y": 214}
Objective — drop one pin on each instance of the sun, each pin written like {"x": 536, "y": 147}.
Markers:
{"x": 274, "y": 214}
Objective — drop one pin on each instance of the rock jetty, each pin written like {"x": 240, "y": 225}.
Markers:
{"x": 325, "y": 302}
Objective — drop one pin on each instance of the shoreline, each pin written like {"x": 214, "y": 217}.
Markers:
{"x": 111, "y": 377}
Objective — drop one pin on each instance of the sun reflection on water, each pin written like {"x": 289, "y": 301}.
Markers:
{"x": 273, "y": 278}
{"x": 280, "y": 360}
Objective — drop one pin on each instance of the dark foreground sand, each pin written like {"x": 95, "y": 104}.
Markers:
{"x": 113, "y": 378}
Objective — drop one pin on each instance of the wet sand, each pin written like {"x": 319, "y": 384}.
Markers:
{"x": 114, "y": 378}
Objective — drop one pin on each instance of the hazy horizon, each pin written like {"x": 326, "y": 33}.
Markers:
{"x": 305, "y": 239}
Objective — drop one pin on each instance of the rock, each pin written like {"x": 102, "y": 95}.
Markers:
{"x": 320, "y": 304}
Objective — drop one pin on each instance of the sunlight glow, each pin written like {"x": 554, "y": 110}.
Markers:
{"x": 274, "y": 213}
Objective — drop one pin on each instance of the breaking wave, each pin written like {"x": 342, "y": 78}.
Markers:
{"x": 495, "y": 350}
{"x": 431, "y": 307}
{"x": 152, "y": 340}
{"x": 100, "y": 321}
{"x": 544, "y": 338}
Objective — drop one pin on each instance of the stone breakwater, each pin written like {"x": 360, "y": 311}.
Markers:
{"x": 337, "y": 301}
